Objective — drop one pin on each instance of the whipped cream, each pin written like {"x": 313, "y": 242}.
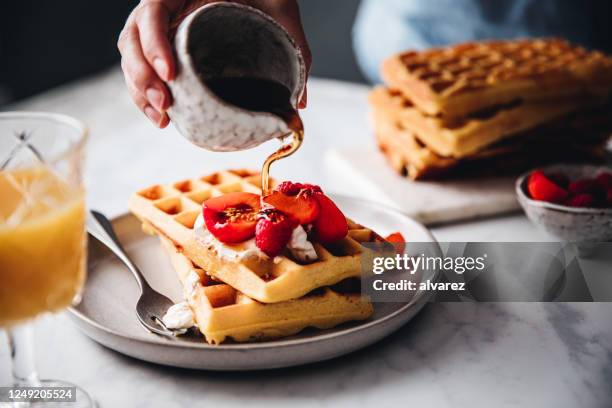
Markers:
{"x": 299, "y": 245}
{"x": 179, "y": 317}
{"x": 243, "y": 251}
{"x": 192, "y": 282}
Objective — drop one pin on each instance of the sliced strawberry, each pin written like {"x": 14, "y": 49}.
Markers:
{"x": 273, "y": 231}
{"x": 232, "y": 217}
{"x": 542, "y": 188}
{"x": 581, "y": 200}
{"x": 230, "y": 200}
{"x": 295, "y": 201}
{"x": 604, "y": 180}
{"x": 398, "y": 240}
{"x": 330, "y": 225}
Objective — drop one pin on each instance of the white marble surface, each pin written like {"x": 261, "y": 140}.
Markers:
{"x": 452, "y": 355}
{"x": 431, "y": 202}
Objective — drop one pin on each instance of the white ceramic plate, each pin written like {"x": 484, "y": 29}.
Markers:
{"x": 107, "y": 311}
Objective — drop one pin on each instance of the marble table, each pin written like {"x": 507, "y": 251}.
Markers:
{"x": 451, "y": 355}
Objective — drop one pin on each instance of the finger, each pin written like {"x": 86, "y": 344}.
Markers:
{"x": 139, "y": 73}
{"x": 159, "y": 119}
{"x": 152, "y": 20}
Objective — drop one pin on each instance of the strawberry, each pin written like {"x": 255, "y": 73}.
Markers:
{"x": 398, "y": 240}
{"x": 273, "y": 231}
{"x": 583, "y": 186}
{"x": 559, "y": 179}
{"x": 290, "y": 188}
{"x": 295, "y": 200}
{"x": 581, "y": 200}
{"x": 330, "y": 225}
{"x": 312, "y": 187}
{"x": 232, "y": 217}
{"x": 542, "y": 188}
{"x": 604, "y": 180}
{"x": 307, "y": 204}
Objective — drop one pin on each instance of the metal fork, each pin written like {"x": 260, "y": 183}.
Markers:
{"x": 151, "y": 305}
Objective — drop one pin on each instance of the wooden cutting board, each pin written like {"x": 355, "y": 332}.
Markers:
{"x": 364, "y": 172}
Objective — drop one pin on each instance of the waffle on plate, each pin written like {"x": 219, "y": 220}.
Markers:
{"x": 222, "y": 312}
{"x": 172, "y": 209}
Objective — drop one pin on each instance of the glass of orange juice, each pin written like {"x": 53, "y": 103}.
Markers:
{"x": 42, "y": 234}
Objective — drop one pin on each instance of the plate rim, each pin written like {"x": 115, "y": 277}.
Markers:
{"x": 422, "y": 300}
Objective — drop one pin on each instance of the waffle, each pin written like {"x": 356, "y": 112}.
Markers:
{"x": 222, "y": 312}
{"x": 463, "y": 137}
{"x": 469, "y": 77}
{"x": 173, "y": 208}
{"x": 409, "y": 157}
{"x": 405, "y": 153}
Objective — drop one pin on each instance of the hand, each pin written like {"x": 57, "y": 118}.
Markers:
{"x": 146, "y": 54}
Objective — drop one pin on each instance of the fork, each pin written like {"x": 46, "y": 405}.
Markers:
{"x": 151, "y": 304}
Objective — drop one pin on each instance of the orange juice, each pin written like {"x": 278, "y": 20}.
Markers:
{"x": 42, "y": 243}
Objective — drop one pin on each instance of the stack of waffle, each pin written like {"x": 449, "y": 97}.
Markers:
{"x": 251, "y": 299}
{"x": 492, "y": 106}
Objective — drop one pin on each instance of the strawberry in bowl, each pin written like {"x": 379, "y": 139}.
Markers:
{"x": 571, "y": 202}
{"x": 559, "y": 188}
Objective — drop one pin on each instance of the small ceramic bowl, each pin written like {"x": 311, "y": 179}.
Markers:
{"x": 567, "y": 223}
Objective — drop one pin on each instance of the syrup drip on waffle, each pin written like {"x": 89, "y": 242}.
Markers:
{"x": 284, "y": 151}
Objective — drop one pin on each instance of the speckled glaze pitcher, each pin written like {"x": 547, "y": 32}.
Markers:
{"x": 231, "y": 40}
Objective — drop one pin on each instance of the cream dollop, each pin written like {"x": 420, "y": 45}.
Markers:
{"x": 192, "y": 282}
{"x": 299, "y": 245}
{"x": 179, "y": 317}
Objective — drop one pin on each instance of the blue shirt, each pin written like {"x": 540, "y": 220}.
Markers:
{"x": 385, "y": 27}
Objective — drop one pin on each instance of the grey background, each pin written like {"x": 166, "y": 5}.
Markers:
{"x": 328, "y": 27}
{"x": 44, "y": 44}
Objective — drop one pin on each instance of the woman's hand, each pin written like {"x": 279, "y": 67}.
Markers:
{"x": 147, "y": 60}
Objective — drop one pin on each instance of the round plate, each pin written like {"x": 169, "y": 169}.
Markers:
{"x": 107, "y": 311}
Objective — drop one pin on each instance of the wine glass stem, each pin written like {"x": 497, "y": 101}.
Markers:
{"x": 22, "y": 356}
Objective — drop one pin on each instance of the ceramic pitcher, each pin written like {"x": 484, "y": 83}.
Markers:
{"x": 230, "y": 40}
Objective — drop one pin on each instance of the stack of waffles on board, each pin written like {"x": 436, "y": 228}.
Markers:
{"x": 492, "y": 106}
